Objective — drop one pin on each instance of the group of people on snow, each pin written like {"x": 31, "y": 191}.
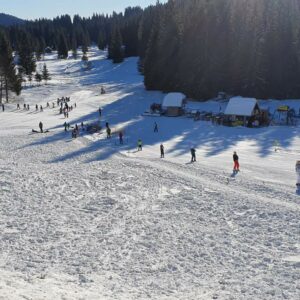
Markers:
{"x": 76, "y": 131}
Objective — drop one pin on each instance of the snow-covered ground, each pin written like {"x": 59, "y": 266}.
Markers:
{"x": 89, "y": 219}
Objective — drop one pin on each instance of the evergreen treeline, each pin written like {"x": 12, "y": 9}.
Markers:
{"x": 242, "y": 47}
{"x": 199, "y": 47}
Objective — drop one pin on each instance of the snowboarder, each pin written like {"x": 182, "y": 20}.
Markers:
{"x": 155, "y": 127}
{"x": 236, "y": 166}
{"x": 121, "y": 138}
{"x": 193, "y": 153}
{"x": 41, "y": 127}
{"x": 162, "y": 151}
{"x": 140, "y": 145}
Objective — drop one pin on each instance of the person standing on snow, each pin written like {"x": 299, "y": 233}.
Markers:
{"x": 3, "y": 108}
{"x": 108, "y": 131}
{"x": 140, "y": 145}
{"x": 193, "y": 153}
{"x": 162, "y": 151}
{"x": 66, "y": 126}
{"x": 121, "y": 138}
{"x": 100, "y": 111}
{"x": 41, "y": 127}
{"x": 155, "y": 127}
{"x": 236, "y": 166}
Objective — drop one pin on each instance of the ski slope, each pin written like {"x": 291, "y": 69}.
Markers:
{"x": 90, "y": 219}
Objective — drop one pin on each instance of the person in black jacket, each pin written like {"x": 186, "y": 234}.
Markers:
{"x": 162, "y": 151}
{"x": 193, "y": 153}
{"x": 41, "y": 127}
{"x": 236, "y": 166}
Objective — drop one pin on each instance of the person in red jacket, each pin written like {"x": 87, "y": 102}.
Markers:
{"x": 236, "y": 162}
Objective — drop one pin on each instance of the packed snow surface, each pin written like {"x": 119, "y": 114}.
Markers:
{"x": 90, "y": 219}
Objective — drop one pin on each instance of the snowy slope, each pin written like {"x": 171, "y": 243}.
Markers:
{"x": 89, "y": 219}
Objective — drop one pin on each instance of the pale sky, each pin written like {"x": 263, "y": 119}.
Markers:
{"x": 33, "y": 9}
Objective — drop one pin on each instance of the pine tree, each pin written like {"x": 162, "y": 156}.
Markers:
{"x": 9, "y": 80}
{"x": 45, "y": 74}
{"x": 62, "y": 47}
{"x": 101, "y": 42}
{"x": 74, "y": 46}
{"x": 116, "y": 52}
{"x": 26, "y": 53}
{"x": 38, "y": 78}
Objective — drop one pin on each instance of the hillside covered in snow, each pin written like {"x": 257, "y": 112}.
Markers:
{"x": 88, "y": 218}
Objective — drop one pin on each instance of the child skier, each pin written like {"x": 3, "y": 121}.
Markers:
{"x": 236, "y": 166}
{"x": 140, "y": 145}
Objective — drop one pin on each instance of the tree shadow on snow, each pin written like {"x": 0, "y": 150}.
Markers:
{"x": 127, "y": 112}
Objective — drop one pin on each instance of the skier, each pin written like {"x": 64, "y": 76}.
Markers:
{"x": 28, "y": 107}
{"x": 108, "y": 131}
{"x": 18, "y": 106}
{"x": 66, "y": 125}
{"x": 36, "y": 107}
{"x": 193, "y": 153}
{"x": 3, "y": 108}
{"x": 155, "y": 127}
{"x": 74, "y": 133}
{"x": 100, "y": 111}
{"x": 41, "y": 127}
{"x": 236, "y": 167}
{"x": 41, "y": 108}
{"x": 162, "y": 151}
{"x": 140, "y": 145}
{"x": 121, "y": 138}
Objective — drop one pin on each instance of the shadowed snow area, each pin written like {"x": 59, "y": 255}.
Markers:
{"x": 89, "y": 219}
